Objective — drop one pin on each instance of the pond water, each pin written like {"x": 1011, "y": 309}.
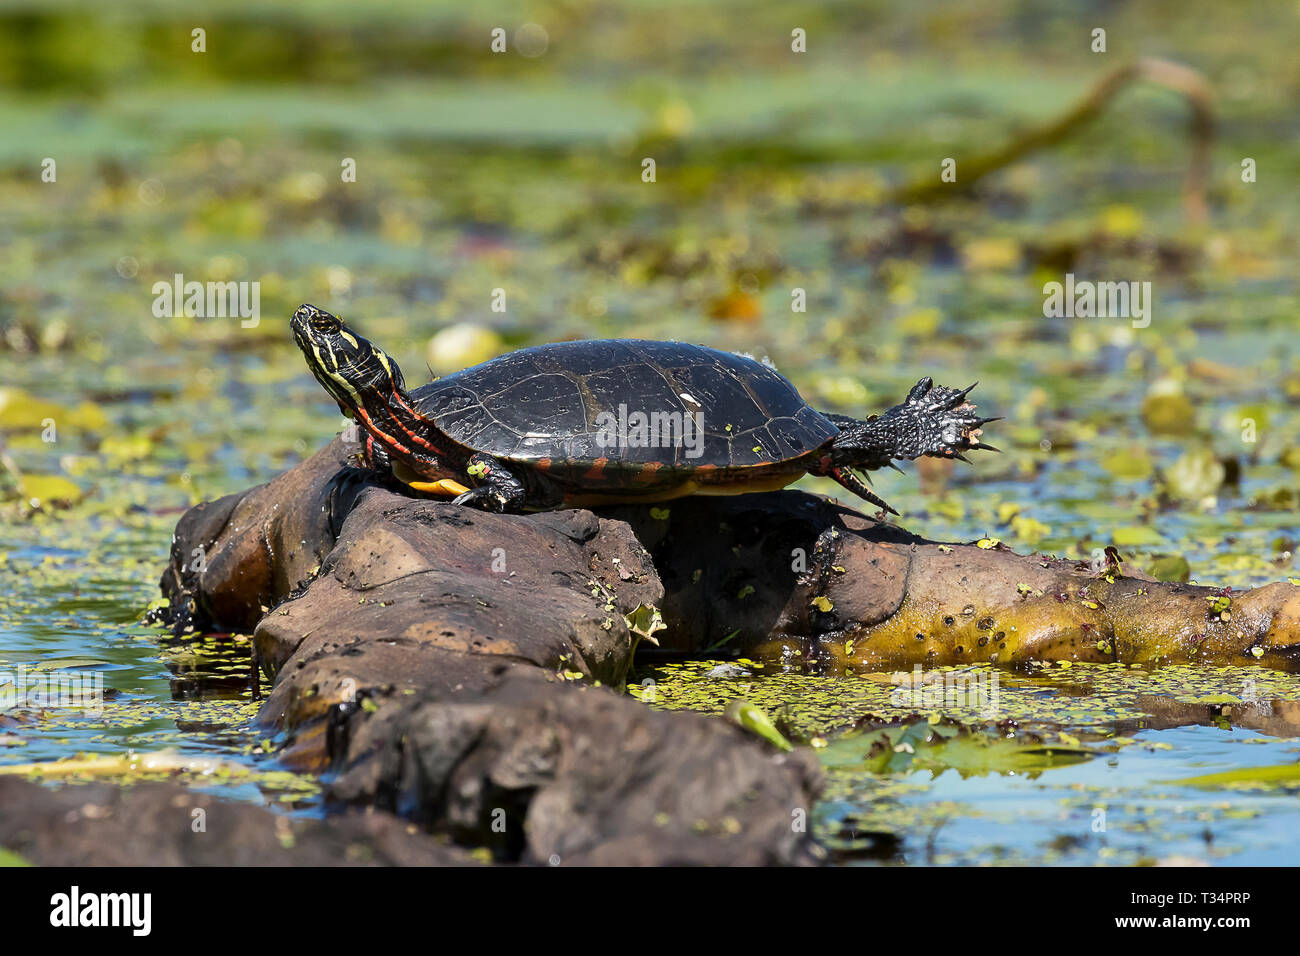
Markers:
{"x": 1073, "y": 765}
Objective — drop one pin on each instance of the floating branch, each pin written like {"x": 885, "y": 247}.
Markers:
{"x": 1191, "y": 84}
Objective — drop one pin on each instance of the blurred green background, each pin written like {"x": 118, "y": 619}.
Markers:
{"x": 522, "y": 171}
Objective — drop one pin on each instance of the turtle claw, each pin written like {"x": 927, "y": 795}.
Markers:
{"x": 926, "y": 397}
{"x": 919, "y": 391}
{"x": 483, "y": 497}
{"x": 853, "y": 483}
{"x": 960, "y": 397}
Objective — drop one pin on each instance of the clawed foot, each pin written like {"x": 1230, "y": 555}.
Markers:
{"x": 485, "y": 497}
{"x": 946, "y": 422}
{"x": 498, "y": 490}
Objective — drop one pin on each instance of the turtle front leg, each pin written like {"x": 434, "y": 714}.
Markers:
{"x": 374, "y": 457}
{"x": 933, "y": 420}
{"x": 497, "y": 488}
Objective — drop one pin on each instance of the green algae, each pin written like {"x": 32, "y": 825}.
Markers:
{"x": 1285, "y": 777}
{"x": 897, "y": 785}
{"x": 10, "y": 858}
{"x": 1076, "y": 697}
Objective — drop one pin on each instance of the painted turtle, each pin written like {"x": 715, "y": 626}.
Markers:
{"x": 599, "y": 422}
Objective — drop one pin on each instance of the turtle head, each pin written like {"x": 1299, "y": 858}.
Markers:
{"x": 355, "y": 371}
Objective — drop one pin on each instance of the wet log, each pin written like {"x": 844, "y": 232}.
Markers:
{"x": 768, "y": 574}
{"x": 459, "y": 667}
{"x": 791, "y": 574}
{"x": 541, "y": 773}
{"x": 463, "y": 668}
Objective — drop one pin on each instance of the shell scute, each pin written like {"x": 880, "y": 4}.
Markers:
{"x": 545, "y": 405}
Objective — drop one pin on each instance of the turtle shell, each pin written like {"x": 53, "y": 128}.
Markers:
{"x": 569, "y": 406}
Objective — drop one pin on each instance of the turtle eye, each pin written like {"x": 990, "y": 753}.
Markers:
{"x": 324, "y": 322}
{"x": 316, "y": 319}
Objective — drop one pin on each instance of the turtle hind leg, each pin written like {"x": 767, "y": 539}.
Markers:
{"x": 945, "y": 420}
{"x": 935, "y": 421}
{"x": 853, "y": 483}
